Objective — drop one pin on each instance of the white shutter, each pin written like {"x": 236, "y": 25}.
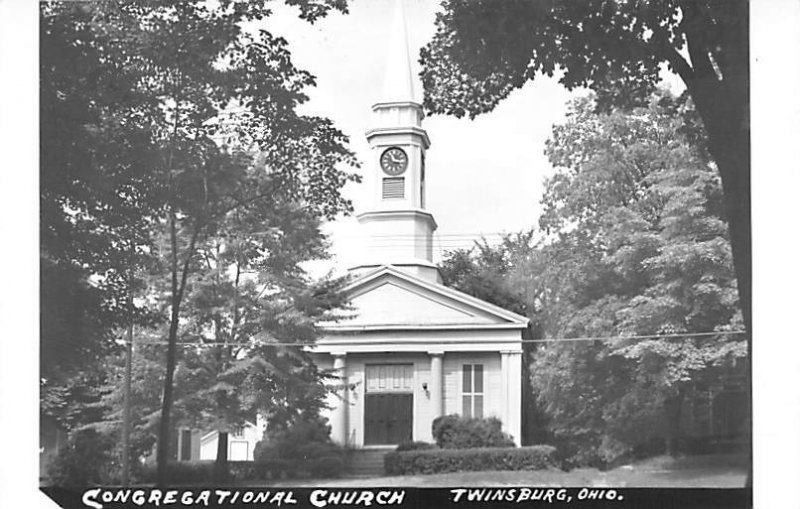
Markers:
{"x": 394, "y": 188}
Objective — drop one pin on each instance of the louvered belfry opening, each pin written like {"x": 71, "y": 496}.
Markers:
{"x": 393, "y": 188}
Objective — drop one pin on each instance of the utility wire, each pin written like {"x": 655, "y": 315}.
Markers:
{"x": 474, "y": 341}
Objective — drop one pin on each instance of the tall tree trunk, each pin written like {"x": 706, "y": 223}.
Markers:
{"x": 177, "y": 289}
{"x": 731, "y": 150}
{"x": 221, "y": 473}
{"x": 724, "y": 106}
{"x": 166, "y": 403}
{"x": 729, "y": 143}
{"x": 720, "y": 88}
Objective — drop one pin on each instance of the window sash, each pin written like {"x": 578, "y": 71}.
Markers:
{"x": 472, "y": 390}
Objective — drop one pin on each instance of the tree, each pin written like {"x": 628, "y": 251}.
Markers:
{"x": 253, "y": 310}
{"x": 95, "y": 196}
{"x": 638, "y": 247}
{"x": 632, "y": 242}
{"x": 193, "y": 98}
{"x": 484, "y": 272}
{"x": 483, "y": 50}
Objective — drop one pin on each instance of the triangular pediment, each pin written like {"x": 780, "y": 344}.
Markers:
{"x": 391, "y": 298}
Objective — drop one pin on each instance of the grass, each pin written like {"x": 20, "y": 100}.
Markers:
{"x": 713, "y": 471}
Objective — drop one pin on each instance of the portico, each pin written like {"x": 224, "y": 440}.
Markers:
{"x": 446, "y": 353}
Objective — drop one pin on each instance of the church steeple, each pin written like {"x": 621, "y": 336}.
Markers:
{"x": 398, "y": 228}
{"x": 398, "y": 83}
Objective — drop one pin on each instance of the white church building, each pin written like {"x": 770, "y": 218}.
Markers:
{"x": 413, "y": 348}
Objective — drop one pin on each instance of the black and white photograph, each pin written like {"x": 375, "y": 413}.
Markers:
{"x": 421, "y": 253}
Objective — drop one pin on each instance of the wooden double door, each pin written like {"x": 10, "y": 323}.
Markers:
{"x": 388, "y": 418}
{"x": 388, "y": 404}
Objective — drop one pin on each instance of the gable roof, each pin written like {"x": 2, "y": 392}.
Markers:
{"x": 388, "y": 298}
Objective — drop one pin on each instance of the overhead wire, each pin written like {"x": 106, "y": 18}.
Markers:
{"x": 689, "y": 335}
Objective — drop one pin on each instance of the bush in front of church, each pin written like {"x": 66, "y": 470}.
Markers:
{"x": 436, "y": 461}
{"x": 300, "y": 449}
{"x": 457, "y": 432}
{"x": 414, "y": 445}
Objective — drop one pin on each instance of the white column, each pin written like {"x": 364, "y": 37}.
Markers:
{"x": 339, "y": 416}
{"x": 504, "y": 389}
{"x": 437, "y": 396}
{"x": 511, "y": 362}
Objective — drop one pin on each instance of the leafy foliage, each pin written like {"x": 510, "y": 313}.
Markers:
{"x": 483, "y": 271}
{"x": 170, "y": 131}
{"x": 633, "y": 242}
{"x": 483, "y": 50}
{"x": 303, "y": 445}
{"x": 638, "y": 247}
{"x": 457, "y": 432}
{"x": 86, "y": 459}
{"x": 414, "y": 445}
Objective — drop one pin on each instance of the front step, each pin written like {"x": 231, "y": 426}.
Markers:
{"x": 366, "y": 462}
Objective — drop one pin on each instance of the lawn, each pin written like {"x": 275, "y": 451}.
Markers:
{"x": 718, "y": 471}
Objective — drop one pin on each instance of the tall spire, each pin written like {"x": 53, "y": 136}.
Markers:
{"x": 399, "y": 143}
{"x": 398, "y": 84}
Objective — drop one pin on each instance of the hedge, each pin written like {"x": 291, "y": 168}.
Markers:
{"x": 434, "y": 461}
{"x": 202, "y": 471}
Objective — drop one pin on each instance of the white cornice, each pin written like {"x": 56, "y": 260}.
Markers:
{"x": 396, "y": 104}
{"x": 342, "y": 329}
{"x": 414, "y": 130}
{"x": 390, "y": 214}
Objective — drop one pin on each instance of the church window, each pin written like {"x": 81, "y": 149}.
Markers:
{"x": 472, "y": 390}
{"x": 394, "y": 187}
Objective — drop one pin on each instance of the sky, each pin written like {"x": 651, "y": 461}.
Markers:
{"x": 484, "y": 176}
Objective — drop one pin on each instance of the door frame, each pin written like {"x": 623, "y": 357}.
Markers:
{"x": 411, "y": 391}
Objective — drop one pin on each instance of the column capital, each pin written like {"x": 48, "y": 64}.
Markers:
{"x": 511, "y": 352}
{"x": 435, "y": 352}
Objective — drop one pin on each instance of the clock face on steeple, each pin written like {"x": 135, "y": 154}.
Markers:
{"x": 394, "y": 161}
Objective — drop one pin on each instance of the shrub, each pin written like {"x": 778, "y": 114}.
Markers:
{"x": 416, "y": 445}
{"x": 197, "y": 472}
{"x": 304, "y": 446}
{"x": 245, "y": 471}
{"x": 182, "y": 472}
{"x": 326, "y": 466}
{"x": 456, "y": 432}
{"x": 433, "y": 461}
{"x": 86, "y": 459}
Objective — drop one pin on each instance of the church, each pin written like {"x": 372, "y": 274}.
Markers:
{"x": 412, "y": 349}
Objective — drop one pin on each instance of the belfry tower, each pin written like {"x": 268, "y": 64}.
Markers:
{"x": 398, "y": 229}
{"x": 413, "y": 349}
